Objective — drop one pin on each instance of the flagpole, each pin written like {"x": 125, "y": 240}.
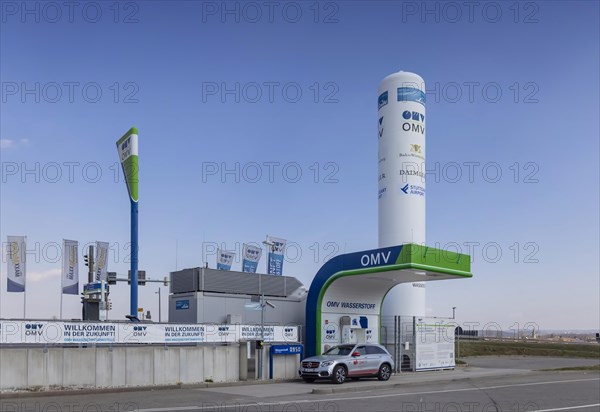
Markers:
{"x": 61, "y": 302}
{"x": 25, "y": 303}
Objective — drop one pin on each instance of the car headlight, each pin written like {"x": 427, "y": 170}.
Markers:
{"x": 326, "y": 363}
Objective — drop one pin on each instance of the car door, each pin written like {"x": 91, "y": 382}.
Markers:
{"x": 374, "y": 358}
{"x": 359, "y": 363}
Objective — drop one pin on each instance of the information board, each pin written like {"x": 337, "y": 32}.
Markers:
{"x": 52, "y": 332}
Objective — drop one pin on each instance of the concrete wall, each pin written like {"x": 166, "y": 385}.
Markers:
{"x": 119, "y": 366}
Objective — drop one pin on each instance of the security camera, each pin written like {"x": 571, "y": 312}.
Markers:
{"x": 270, "y": 304}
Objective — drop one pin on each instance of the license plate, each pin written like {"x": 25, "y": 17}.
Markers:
{"x": 309, "y": 370}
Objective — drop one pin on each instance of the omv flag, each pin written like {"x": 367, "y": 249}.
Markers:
{"x": 250, "y": 257}
{"x": 70, "y": 268}
{"x": 276, "y": 252}
{"x": 16, "y": 250}
{"x": 224, "y": 259}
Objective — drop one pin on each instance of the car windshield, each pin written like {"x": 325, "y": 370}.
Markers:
{"x": 342, "y": 350}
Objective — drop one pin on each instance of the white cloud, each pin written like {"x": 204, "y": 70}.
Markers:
{"x": 13, "y": 144}
{"x": 42, "y": 275}
{"x": 7, "y": 144}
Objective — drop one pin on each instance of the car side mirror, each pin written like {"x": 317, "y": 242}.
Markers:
{"x": 356, "y": 354}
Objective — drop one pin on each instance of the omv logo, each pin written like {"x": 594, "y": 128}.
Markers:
{"x": 381, "y": 126}
{"x": 33, "y": 328}
{"x": 223, "y": 330}
{"x": 331, "y": 333}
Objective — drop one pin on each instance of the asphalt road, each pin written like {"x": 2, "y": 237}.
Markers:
{"x": 470, "y": 389}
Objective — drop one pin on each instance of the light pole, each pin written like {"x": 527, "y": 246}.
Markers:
{"x": 261, "y": 355}
{"x": 269, "y": 246}
{"x": 458, "y": 330}
{"x": 159, "y": 310}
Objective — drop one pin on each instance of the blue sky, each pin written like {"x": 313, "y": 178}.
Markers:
{"x": 221, "y": 91}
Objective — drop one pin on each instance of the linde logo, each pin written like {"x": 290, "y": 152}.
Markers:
{"x": 415, "y": 122}
{"x": 34, "y": 329}
{"x": 375, "y": 259}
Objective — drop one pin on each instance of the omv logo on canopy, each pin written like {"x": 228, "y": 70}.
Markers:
{"x": 378, "y": 257}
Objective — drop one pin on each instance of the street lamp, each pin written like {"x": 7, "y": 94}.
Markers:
{"x": 159, "y": 314}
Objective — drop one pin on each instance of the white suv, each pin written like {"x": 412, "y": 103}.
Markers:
{"x": 348, "y": 361}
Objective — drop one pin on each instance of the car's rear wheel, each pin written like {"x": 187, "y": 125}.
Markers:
{"x": 339, "y": 374}
{"x": 385, "y": 371}
{"x": 309, "y": 380}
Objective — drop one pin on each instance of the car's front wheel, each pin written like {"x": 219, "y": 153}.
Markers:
{"x": 339, "y": 374}
{"x": 385, "y": 371}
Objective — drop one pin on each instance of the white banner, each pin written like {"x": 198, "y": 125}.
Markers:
{"x": 16, "y": 249}
{"x": 434, "y": 343}
{"x": 70, "y": 267}
{"x": 276, "y": 254}
{"x": 101, "y": 261}
{"x": 46, "y": 332}
{"x": 224, "y": 259}
{"x": 250, "y": 257}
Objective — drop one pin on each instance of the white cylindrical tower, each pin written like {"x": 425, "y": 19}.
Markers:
{"x": 401, "y": 135}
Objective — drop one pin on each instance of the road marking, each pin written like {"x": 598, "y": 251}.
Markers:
{"x": 217, "y": 405}
{"x": 568, "y": 408}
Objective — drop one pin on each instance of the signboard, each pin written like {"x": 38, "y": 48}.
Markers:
{"x": 45, "y": 332}
{"x": 127, "y": 146}
{"x": 434, "y": 344}
{"x": 93, "y": 288}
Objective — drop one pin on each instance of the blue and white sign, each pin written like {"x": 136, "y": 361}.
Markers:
{"x": 383, "y": 100}
{"x": 410, "y": 94}
{"x": 182, "y": 304}
{"x": 276, "y": 253}
{"x": 250, "y": 257}
{"x": 224, "y": 259}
